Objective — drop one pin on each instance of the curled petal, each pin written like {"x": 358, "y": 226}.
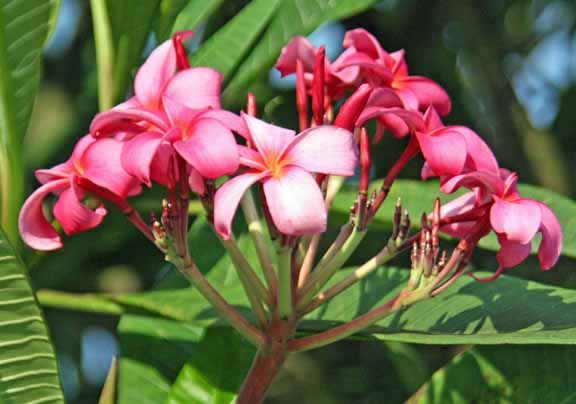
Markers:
{"x": 518, "y": 220}
{"x": 196, "y": 182}
{"x": 296, "y": 203}
{"x": 35, "y": 230}
{"x": 365, "y": 42}
{"x": 427, "y": 92}
{"x": 163, "y": 168}
{"x": 551, "y": 244}
{"x": 487, "y": 181}
{"x": 269, "y": 139}
{"x": 227, "y": 199}
{"x": 353, "y": 107}
{"x": 196, "y": 88}
{"x": 445, "y": 152}
{"x": 101, "y": 164}
{"x": 138, "y": 154}
{"x": 511, "y": 253}
{"x": 479, "y": 155}
{"x": 456, "y": 207}
{"x": 398, "y": 120}
{"x": 210, "y": 148}
{"x": 106, "y": 123}
{"x": 323, "y": 149}
{"x": 299, "y": 48}
{"x": 384, "y": 97}
{"x": 73, "y": 215}
{"x": 154, "y": 74}
{"x": 432, "y": 120}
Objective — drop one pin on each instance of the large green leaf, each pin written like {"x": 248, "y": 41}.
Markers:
{"x": 226, "y": 48}
{"x": 418, "y": 197}
{"x": 131, "y": 22}
{"x": 293, "y": 18}
{"x": 189, "y": 15}
{"x": 28, "y": 368}
{"x": 153, "y": 351}
{"x": 24, "y": 27}
{"x": 512, "y": 374}
{"x": 214, "y": 374}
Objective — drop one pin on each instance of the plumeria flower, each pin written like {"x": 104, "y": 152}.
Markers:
{"x": 282, "y": 162}
{"x": 97, "y": 161}
{"x": 389, "y": 70}
{"x": 495, "y": 200}
{"x": 173, "y": 113}
{"x": 337, "y": 78}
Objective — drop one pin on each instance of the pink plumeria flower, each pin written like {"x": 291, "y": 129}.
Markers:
{"x": 495, "y": 200}
{"x": 173, "y": 113}
{"x": 389, "y": 70}
{"x": 97, "y": 161}
{"x": 283, "y": 162}
{"x": 337, "y": 79}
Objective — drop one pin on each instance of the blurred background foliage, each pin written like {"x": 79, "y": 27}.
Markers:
{"x": 510, "y": 68}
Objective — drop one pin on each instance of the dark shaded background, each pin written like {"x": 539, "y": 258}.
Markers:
{"x": 510, "y": 68}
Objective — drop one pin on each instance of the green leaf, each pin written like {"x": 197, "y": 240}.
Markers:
{"x": 293, "y": 18}
{"x": 418, "y": 197}
{"x": 514, "y": 374}
{"x": 131, "y": 22}
{"x": 28, "y": 367}
{"x": 214, "y": 374}
{"x": 24, "y": 27}
{"x": 226, "y": 48}
{"x": 153, "y": 351}
{"x": 178, "y": 15}
{"x": 108, "y": 395}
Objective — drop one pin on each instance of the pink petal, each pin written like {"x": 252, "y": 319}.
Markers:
{"x": 323, "y": 149}
{"x": 138, "y": 154}
{"x": 511, "y": 253}
{"x": 445, "y": 152}
{"x": 428, "y": 93}
{"x": 101, "y": 164}
{"x": 491, "y": 183}
{"x": 374, "y": 72}
{"x": 103, "y": 122}
{"x": 269, "y": 139}
{"x": 251, "y": 158}
{"x": 179, "y": 114}
{"x": 154, "y": 74}
{"x": 398, "y": 120}
{"x": 296, "y": 203}
{"x": 196, "y": 182}
{"x": 409, "y": 99}
{"x": 230, "y": 120}
{"x": 35, "y": 230}
{"x": 163, "y": 168}
{"x": 210, "y": 149}
{"x": 456, "y": 207}
{"x": 518, "y": 221}
{"x": 196, "y": 88}
{"x": 551, "y": 244}
{"x": 480, "y": 157}
{"x": 365, "y": 42}
{"x": 384, "y": 97}
{"x": 73, "y": 215}
{"x": 299, "y": 48}
{"x": 228, "y": 197}
{"x": 400, "y": 67}
{"x": 432, "y": 120}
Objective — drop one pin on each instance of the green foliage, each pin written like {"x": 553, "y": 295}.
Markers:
{"x": 504, "y": 374}
{"x": 418, "y": 197}
{"x": 28, "y": 368}
{"x": 191, "y": 16}
{"x": 292, "y": 18}
{"x": 214, "y": 373}
{"x": 20, "y": 57}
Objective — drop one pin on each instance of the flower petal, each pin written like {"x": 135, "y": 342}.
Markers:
{"x": 269, "y": 139}
{"x": 456, "y": 207}
{"x": 511, "y": 253}
{"x": 228, "y": 197}
{"x": 487, "y": 181}
{"x": 251, "y": 158}
{"x": 196, "y": 182}
{"x": 230, "y": 120}
{"x": 35, "y": 230}
{"x": 323, "y": 149}
{"x": 551, "y": 244}
{"x": 101, "y": 164}
{"x": 154, "y": 74}
{"x": 73, "y": 215}
{"x": 365, "y": 42}
{"x": 299, "y": 48}
{"x": 210, "y": 149}
{"x": 196, "y": 88}
{"x": 427, "y": 92}
{"x": 295, "y": 202}
{"x": 518, "y": 220}
{"x": 479, "y": 156}
{"x": 445, "y": 152}
{"x": 138, "y": 154}
{"x": 106, "y": 123}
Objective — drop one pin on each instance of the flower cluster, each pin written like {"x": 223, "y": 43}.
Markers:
{"x": 174, "y": 132}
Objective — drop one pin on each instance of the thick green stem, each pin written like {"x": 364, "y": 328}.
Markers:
{"x": 256, "y": 229}
{"x": 324, "y": 271}
{"x": 284, "y": 281}
{"x": 104, "y": 53}
{"x": 255, "y": 290}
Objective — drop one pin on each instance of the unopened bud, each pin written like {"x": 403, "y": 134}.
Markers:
{"x": 318, "y": 87}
